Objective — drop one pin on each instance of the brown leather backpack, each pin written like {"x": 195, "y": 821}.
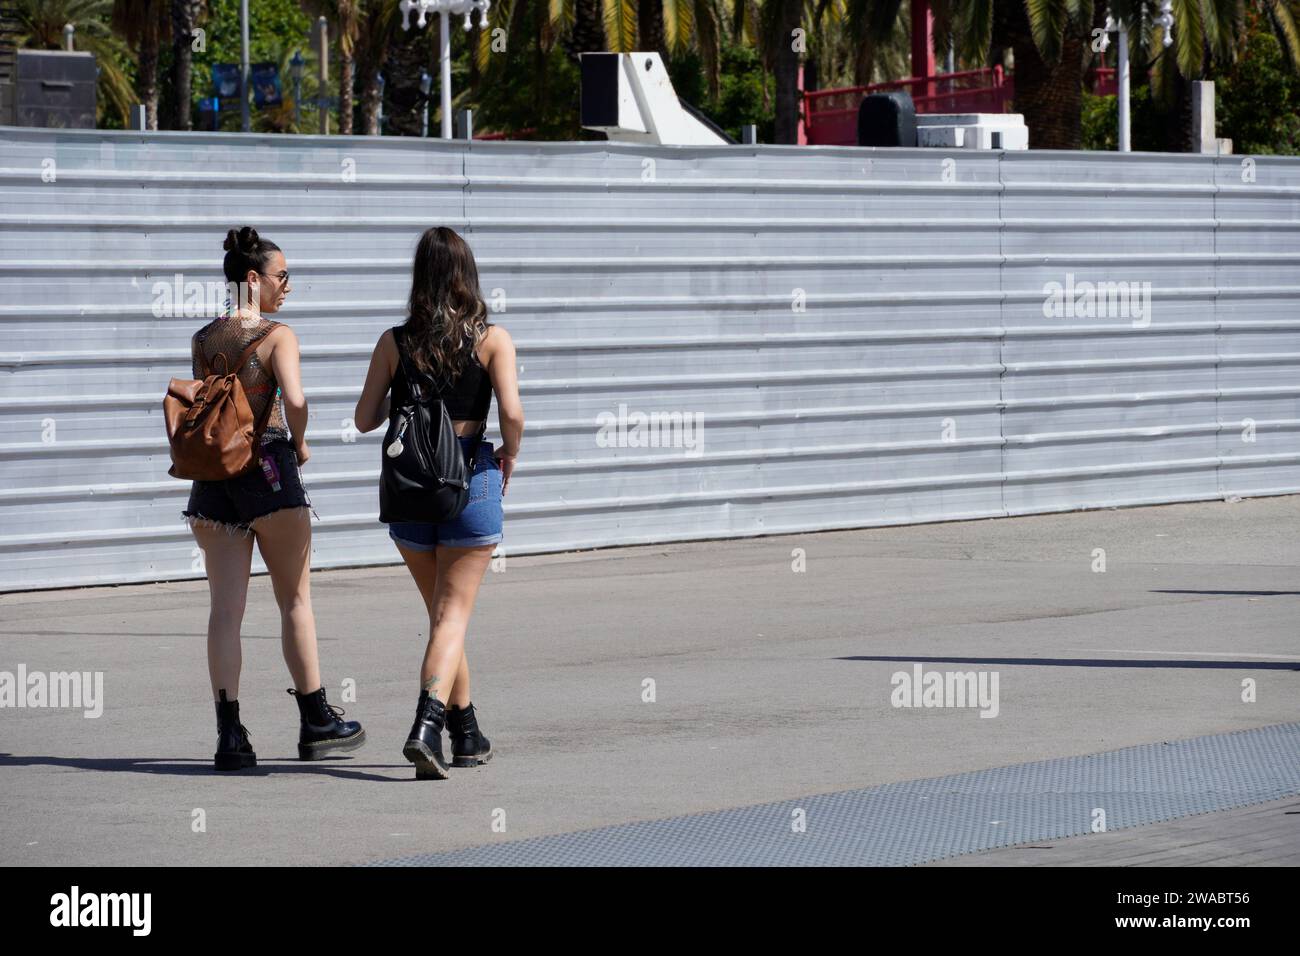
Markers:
{"x": 210, "y": 424}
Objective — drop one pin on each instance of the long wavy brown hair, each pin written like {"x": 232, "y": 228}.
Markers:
{"x": 446, "y": 314}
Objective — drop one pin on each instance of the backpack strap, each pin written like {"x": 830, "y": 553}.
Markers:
{"x": 473, "y": 455}
{"x": 259, "y": 426}
{"x": 410, "y": 376}
{"x": 252, "y": 346}
{"x": 406, "y": 368}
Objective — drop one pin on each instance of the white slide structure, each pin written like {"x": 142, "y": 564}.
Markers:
{"x": 630, "y": 97}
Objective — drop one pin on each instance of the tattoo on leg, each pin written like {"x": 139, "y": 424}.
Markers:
{"x": 428, "y": 685}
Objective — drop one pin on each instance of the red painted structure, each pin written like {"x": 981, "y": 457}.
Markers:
{"x": 830, "y": 117}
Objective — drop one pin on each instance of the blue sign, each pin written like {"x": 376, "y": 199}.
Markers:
{"x": 225, "y": 80}
{"x": 266, "y": 85}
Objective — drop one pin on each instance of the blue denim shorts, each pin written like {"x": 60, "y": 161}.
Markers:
{"x": 481, "y": 521}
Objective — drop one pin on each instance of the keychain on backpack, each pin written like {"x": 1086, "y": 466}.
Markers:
{"x": 396, "y": 448}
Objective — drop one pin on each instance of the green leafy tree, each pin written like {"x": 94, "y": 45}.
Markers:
{"x": 185, "y": 17}
{"x": 144, "y": 25}
{"x": 1259, "y": 94}
{"x": 345, "y": 22}
{"x": 276, "y": 29}
{"x": 1050, "y": 42}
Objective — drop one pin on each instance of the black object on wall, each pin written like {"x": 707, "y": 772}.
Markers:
{"x": 599, "y": 89}
{"x": 887, "y": 119}
{"x": 56, "y": 90}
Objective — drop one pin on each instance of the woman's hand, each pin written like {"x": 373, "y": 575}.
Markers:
{"x": 302, "y": 451}
{"x": 507, "y": 465}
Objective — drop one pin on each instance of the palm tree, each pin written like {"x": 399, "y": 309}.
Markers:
{"x": 583, "y": 23}
{"x": 1049, "y": 41}
{"x": 345, "y": 17}
{"x": 347, "y": 23}
{"x": 143, "y": 24}
{"x": 185, "y": 18}
{"x": 1205, "y": 37}
{"x": 378, "y": 21}
{"x": 40, "y": 27}
{"x": 780, "y": 18}
{"x": 651, "y": 33}
{"x": 869, "y": 25}
{"x": 410, "y": 53}
{"x": 621, "y": 26}
{"x": 696, "y": 24}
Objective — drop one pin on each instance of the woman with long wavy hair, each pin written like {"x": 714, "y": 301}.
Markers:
{"x": 463, "y": 359}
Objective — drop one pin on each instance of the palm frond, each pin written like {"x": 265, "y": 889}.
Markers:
{"x": 679, "y": 23}
{"x": 620, "y": 25}
{"x": 973, "y": 23}
{"x": 708, "y": 41}
{"x": 562, "y": 13}
{"x": 1047, "y": 22}
{"x": 1284, "y": 17}
{"x": 1189, "y": 37}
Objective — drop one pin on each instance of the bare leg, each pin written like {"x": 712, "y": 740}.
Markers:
{"x": 227, "y": 558}
{"x": 449, "y": 579}
{"x": 423, "y": 566}
{"x": 459, "y": 694}
{"x": 284, "y": 541}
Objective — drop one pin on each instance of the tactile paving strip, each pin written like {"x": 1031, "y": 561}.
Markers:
{"x": 917, "y": 821}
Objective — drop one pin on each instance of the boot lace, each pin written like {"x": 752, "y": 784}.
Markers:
{"x": 335, "y": 712}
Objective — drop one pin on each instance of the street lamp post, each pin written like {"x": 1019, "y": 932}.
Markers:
{"x": 245, "y": 122}
{"x": 295, "y": 66}
{"x": 426, "y": 85}
{"x": 443, "y": 8}
{"x": 1166, "y": 20}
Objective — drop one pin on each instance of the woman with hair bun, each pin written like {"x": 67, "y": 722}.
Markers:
{"x": 462, "y": 359}
{"x": 267, "y": 503}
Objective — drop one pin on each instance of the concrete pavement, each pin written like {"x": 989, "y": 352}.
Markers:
{"x": 769, "y": 682}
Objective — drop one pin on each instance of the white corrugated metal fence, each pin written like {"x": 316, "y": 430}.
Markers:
{"x": 834, "y": 337}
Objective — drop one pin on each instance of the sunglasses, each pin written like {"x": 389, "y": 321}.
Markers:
{"x": 282, "y": 276}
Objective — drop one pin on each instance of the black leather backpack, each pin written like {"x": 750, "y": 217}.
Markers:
{"x": 424, "y": 475}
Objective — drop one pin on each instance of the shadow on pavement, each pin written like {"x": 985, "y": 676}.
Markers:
{"x": 187, "y": 768}
{"x": 1083, "y": 662}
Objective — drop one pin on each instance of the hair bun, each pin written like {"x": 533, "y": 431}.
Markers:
{"x": 245, "y": 240}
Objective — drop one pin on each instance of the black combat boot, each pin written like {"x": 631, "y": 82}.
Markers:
{"x": 469, "y": 747}
{"x": 322, "y": 733}
{"x": 234, "y": 752}
{"x": 424, "y": 744}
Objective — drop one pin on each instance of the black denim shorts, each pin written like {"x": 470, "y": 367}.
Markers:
{"x": 237, "y": 502}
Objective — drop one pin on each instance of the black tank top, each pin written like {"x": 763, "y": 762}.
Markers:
{"x": 467, "y": 400}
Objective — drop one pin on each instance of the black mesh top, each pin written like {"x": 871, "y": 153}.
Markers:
{"x": 229, "y": 337}
{"x": 467, "y": 400}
